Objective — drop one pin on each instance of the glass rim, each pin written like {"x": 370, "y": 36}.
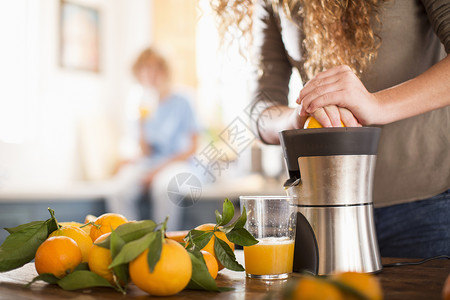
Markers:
{"x": 271, "y": 197}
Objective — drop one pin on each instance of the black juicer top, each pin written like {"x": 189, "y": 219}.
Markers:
{"x": 327, "y": 142}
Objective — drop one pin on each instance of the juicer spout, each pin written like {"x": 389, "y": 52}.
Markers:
{"x": 292, "y": 182}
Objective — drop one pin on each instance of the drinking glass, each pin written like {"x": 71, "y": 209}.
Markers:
{"x": 271, "y": 220}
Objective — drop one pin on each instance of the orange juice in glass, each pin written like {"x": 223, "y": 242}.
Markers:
{"x": 277, "y": 255}
{"x": 271, "y": 220}
{"x": 143, "y": 112}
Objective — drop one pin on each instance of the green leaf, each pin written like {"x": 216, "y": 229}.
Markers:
{"x": 154, "y": 251}
{"x": 83, "y": 266}
{"x": 20, "y": 247}
{"x": 117, "y": 243}
{"x": 200, "y": 279}
{"x": 23, "y": 226}
{"x": 83, "y": 279}
{"x": 226, "y": 256}
{"x": 164, "y": 225}
{"x": 132, "y": 250}
{"x": 52, "y": 223}
{"x": 47, "y": 277}
{"x": 199, "y": 238}
{"x": 218, "y": 217}
{"x": 122, "y": 275}
{"x": 51, "y": 226}
{"x": 242, "y": 237}
{"x": 131, "y": 231}
{"x": 239, "y": 223}
{"x": 227, "y": 212}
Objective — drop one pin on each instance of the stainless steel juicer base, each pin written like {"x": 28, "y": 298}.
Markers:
{"x": 346, "y": 238}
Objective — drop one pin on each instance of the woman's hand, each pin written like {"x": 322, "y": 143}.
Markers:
{"x": 337, "y": 94}
{"x": 329, "y": 116}
{"x": 332, "y": 115}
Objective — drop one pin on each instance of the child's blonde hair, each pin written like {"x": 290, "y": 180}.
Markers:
{"x": 149, "y": 57}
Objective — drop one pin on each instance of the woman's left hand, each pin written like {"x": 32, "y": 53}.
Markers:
{"x": 339, "y": 86}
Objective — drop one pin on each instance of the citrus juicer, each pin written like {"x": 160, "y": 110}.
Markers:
{"x": 330, "y": 176}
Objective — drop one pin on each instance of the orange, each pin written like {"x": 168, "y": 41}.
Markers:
{"x": 106, "y": 223}
{"x": 311, "y": 122}
{"x": 86, "y": 229}
{"x": 446, "y": 289}
{"x": 89, "y": 218}
{"x": 171, "y": 274}
{"x": 82, "y": 239}
{"x": 100, "y": 259}
{"x": 210, "y": 246}
{"x": 211, "y": 263}
{"x": 177, "y": 235}
{"x": 310, "y": 288}
{"x": 72, "y": 223}
{"x": 366, "y": 284}
{"x": 58, "y": 255}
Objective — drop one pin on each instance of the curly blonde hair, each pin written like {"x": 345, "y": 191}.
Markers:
{"x": 336, "y": 32}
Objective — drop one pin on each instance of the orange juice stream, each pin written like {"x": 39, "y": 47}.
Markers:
{"x": 269, "y": 257}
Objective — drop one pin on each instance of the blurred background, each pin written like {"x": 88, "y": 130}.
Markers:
{"x": 68, "y": 97}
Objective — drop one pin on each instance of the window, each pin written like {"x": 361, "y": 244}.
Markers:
{"x": 18, "y": 74}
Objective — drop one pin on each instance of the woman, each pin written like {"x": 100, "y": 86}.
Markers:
{"x": 371, "y": 63}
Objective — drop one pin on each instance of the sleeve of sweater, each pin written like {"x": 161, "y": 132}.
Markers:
{"x": 271, "y": 67}
{"x": 438, "y": 12}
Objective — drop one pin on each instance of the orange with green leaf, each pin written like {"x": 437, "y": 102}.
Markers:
{"x": 219, "y": 239}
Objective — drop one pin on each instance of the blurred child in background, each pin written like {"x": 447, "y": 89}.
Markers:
{"x": 168, "y": 134}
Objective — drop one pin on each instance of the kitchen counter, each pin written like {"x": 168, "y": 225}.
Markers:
{"x": 72, "y": 202}
{"x": 406, "y": 282}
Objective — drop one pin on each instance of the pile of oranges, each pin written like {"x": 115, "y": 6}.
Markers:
{"x": 74, "y": 243}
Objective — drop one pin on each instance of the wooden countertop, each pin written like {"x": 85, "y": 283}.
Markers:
{"x": 406, "y": 282}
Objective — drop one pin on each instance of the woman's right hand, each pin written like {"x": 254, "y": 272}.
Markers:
{"x": 339, "y": 87}
{"x": 329, "y": 116}
{"x": 332, "y": 116}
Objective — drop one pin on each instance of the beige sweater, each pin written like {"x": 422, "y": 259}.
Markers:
{"x": 413, "y": 160}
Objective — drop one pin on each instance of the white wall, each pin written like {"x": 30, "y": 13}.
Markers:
{"x": 43, "y": 108}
